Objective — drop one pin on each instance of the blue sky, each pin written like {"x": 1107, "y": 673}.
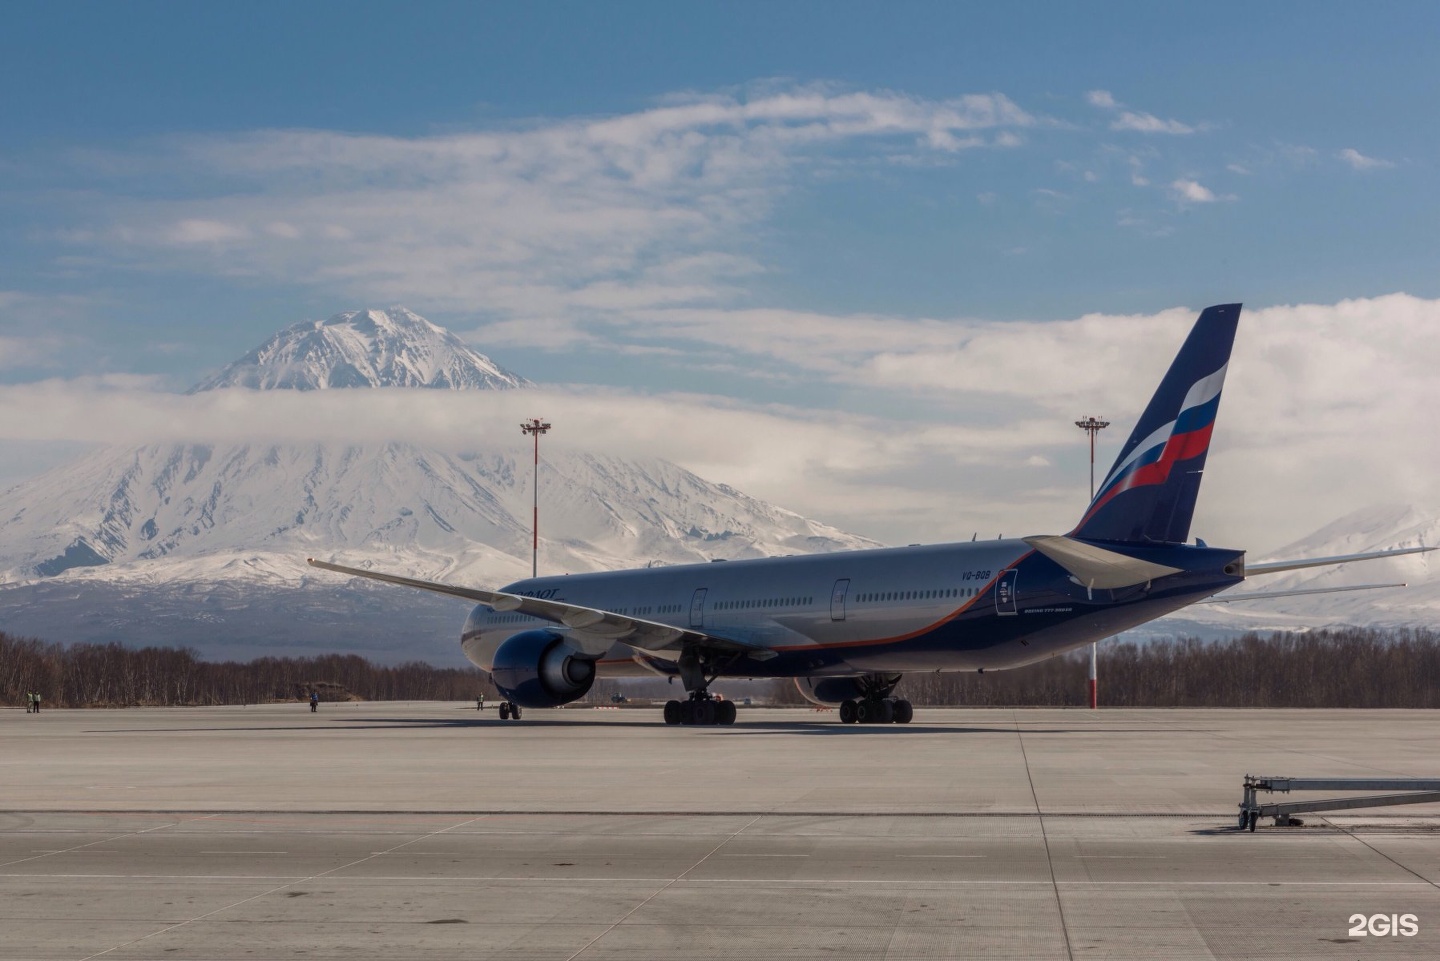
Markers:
{"x": 747, "y": 203}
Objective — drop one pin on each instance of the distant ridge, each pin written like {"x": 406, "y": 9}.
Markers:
{"x": 364, "y": 348}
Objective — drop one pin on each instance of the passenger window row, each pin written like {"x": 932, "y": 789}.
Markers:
{"x": 938, "y": 594}
{"x": 763, "y": 603}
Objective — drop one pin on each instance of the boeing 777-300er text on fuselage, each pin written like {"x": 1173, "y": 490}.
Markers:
{"x": 848, "y": 626}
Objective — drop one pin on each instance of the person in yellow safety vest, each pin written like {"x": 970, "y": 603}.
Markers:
{"x": 480, "y": 703}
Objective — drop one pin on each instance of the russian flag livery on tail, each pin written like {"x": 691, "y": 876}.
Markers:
{"x": 1149, "y": 495}
{"x": 848, "y": 626}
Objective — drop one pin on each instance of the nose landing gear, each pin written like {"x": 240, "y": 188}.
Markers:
{"x": 509, "y": 711}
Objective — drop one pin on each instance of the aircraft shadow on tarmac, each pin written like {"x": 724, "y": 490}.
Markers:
{"x": 739, "y": 728}
{"x": 744, "y": 728}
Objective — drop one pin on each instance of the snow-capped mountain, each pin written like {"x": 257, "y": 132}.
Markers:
{"x": 364, "y": 348}
{"x": 134, "y": 512}
{"x": 1375, "y": 528}
{"x": 204, "y": 544}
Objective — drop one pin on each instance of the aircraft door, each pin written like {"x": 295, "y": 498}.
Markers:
{"x": 837, "y": 599}
{"x": 1005, "y": 592}
{"x": 697, "y": 608}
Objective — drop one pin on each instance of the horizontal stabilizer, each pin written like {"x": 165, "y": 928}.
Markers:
{"x": 1275, "y": 567}
{"x": 1265, "y": 595}
{"x": 1096, "y": 567}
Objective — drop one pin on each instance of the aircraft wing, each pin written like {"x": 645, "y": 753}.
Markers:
{"x": 1264, "y": 595}
{"x": 593, "y": 629}
{"x": 1275, "y": 567}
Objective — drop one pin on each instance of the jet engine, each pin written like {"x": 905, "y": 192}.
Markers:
{"x": 541, "y": 669}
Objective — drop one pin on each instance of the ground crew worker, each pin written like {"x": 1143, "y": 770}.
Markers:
{"x": 480, "y": 703}
{"x": 29, "y": 702}
{"x": 314, "y": 702}
{"x": 36, "y": 696}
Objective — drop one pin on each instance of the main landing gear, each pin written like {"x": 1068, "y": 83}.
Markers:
{"x": 875, "y": 704}
{"x": 697, "y": 669}
{"x": 877, "y": 710}
{"x": 700, "y": 708}
{"x": 509, "y": 711}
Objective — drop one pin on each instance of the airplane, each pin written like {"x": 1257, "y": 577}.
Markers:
{"x": 848, "y": 626}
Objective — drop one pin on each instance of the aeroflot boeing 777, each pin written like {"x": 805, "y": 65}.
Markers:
{"x": 849, "y": 626}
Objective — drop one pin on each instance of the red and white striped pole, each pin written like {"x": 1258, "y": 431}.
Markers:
{"x": 1093, "y": 426}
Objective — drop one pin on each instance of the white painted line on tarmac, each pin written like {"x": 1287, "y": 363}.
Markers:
{"x": 508, "y": 879}
{"x": 244, "y": 852}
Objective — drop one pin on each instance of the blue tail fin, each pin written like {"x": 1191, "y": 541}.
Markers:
{"x": 1149, "y": 495}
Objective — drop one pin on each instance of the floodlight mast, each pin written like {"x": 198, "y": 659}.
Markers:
{"x": 535, "y": 427}
{"x": 1092, "y": 426}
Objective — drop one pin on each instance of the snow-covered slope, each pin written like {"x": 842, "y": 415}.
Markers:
{"x": 364, "y": 348}
{"x": 1375, "y": 528}
{"x": 134, "y": 512}
{"x": 204, "y": 544}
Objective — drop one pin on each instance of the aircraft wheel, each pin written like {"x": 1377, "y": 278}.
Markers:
{"x": 687, "y": 712}
{"x": 704, "y": 712}
{"x": 504, "y": 710}
{"x": 726, "y": 712}
{"x": 864, "y": 712}
{"x": 847, "y": 712}
{"x": 904, "y": 711}
{"x": 514, "y": 712}
{"x": 885, "y": 711}
{"x": 672, "y": 712}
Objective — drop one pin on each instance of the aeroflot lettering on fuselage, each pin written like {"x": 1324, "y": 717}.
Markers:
{"x": 548, "y": 594}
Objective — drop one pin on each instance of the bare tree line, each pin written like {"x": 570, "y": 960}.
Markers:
{"x": 112, "y": 675}
{"x": 1343, "y": 667}
{"x": 1340, "y": 667}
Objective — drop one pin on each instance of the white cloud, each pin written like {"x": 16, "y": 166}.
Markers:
{"x": 22, "y": 352}
{"x": 539, "y": 218}
{"x": 1193, "y": 192}
{"x": 1149, "y": 123}
{"x": 31, "y": 319}
{"x": 1359, "y": 161}
{"x": 198, "y": 231}
{"x": 1322, "y": 411}
{"x": 1134, "y": 120}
